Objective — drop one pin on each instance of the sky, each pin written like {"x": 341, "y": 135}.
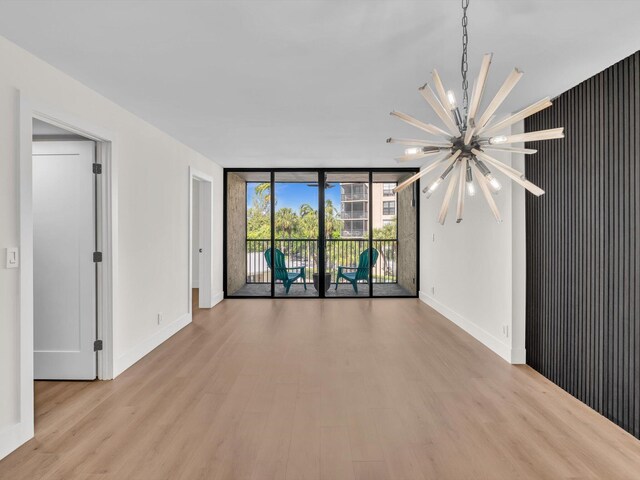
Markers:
{"x": 293, "y": 195}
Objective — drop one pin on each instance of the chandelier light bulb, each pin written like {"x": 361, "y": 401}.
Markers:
{"x": 434, "y": 186}
{"x": 495, "y": 184}
{"x": 412, "y": 150}
{"x": 497, "y": 140}
{"x": 451, "y": 97}
{"x": 471, "y": 189}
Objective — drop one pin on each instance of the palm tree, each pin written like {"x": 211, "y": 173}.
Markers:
{"x": 332, "y": 221}
{"x": 306, "y": 209}
{"x": 286, "y": 220}
{"x": 263, "y": 190}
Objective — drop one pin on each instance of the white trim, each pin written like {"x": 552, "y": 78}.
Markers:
{"x": 107, "y": 236}
{"x": 15, "y": 435}
{"x": 150, "y": 343}
{"x": 471, "y": 328}
{"x": 205, "y": 295}
{"x": 12, "y": 437}
{"x": 217, "y": 298}
{"x": 518, "y": 260}
{"x": 25, "y": 426}
{"x": 518, "y": 356}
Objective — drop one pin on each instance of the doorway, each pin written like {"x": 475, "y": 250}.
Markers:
{"x": 64, "y": 127}
{"x": 64, "y": 255}
{"x": 200, "y": 243}
{"x": 309, "y": 233}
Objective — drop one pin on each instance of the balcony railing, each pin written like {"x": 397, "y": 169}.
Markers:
{"x": 348, "y": 197}
{"x": 339, "y": 252}
{"x": 354, "y": 215}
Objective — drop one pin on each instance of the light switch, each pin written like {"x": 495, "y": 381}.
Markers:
{"x": 12, "y": 257}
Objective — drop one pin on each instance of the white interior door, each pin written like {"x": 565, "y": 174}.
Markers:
{"x": 204, "y": 239}
{"x": 64, "y": 277}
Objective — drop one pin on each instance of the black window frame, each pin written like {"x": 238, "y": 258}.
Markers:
{"x": 321, "y": 251}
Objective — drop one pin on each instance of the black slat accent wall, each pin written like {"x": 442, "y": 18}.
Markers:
{"x": 583, "y": 251}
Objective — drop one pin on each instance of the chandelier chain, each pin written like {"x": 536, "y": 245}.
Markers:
{"x": 464, "y": 65}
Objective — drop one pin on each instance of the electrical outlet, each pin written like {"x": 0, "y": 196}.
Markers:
{"x": 433, "y": 290}
{"x": 159, "y": 318}
{"x": 433, "y": 237}
{"x": 505, "y": 330}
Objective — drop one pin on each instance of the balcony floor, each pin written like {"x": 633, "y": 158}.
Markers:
{"x": 344, "y": 290}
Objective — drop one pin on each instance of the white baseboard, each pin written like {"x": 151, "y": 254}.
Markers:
{"x": 143, "y": 348}
{"x": 518, "y": 356}
{"x": 484, "y": 337}
{"x": 216, "y": 298}
{"x": 13, "y": 436}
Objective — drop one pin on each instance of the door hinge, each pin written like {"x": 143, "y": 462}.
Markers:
{"x": 97, "y": 168}
{"x": 97, "y": 257}
{"x": 97, "y": 345}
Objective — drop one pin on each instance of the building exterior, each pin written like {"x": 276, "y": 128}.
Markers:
{"x": 354, "y": 207}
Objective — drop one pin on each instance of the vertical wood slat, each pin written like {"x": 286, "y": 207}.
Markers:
{"x": 583, "y": 254}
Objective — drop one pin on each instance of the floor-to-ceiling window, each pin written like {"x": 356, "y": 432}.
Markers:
{"x": 320, "y": 233}
{"x": 248, "y": 234}
{"x": 296, "y": 227}
{"x": 347, "y": 255}
{"x": 394, "y": 233}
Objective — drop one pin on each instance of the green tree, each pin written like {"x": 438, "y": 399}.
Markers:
{"x": 308, "y": 222}
{"x": 332, "y": 222}
{"x": 387, "y": 232}
{"x": 286, "y": 222}
{"x": 258, "y": 215}
{"x": 263, "y": 191}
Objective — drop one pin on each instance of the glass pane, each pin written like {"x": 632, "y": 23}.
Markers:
{"x": 248, "y": 234}
{"x": 394, "y": 236}
{"x": 347, "y": 234}
{"x": 296, "y": 234}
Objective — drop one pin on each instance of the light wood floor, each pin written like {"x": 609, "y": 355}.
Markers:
{"x": 312, "y": 389}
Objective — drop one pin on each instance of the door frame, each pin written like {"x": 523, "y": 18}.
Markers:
{"x": 205, "y": 283}
{"x": 321, "y": 212}
{"x": 31, "y": 108}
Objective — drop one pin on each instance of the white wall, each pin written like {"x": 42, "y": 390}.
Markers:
{"x": 474, "y": 272}
{"x": 195, "y": 215}
{"x": 152, "y": 190}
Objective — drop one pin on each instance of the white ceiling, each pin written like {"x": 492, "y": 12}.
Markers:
{"x": 299, "y": 83}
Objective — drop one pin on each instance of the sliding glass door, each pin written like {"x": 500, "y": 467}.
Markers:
{"x": 320, "y": 233}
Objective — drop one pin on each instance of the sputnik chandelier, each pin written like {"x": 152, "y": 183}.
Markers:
{"x": 468, "y": 136}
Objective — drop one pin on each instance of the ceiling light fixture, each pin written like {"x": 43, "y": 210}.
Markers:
{"x": 467, "y": 136}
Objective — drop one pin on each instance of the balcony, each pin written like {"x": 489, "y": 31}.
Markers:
{"x": 339, "y": 252}
{"x": 312, "y": 213}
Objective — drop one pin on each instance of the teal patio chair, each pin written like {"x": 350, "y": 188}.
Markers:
{"x": 361, "y": 272}
{"x": 281, "y": 271}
